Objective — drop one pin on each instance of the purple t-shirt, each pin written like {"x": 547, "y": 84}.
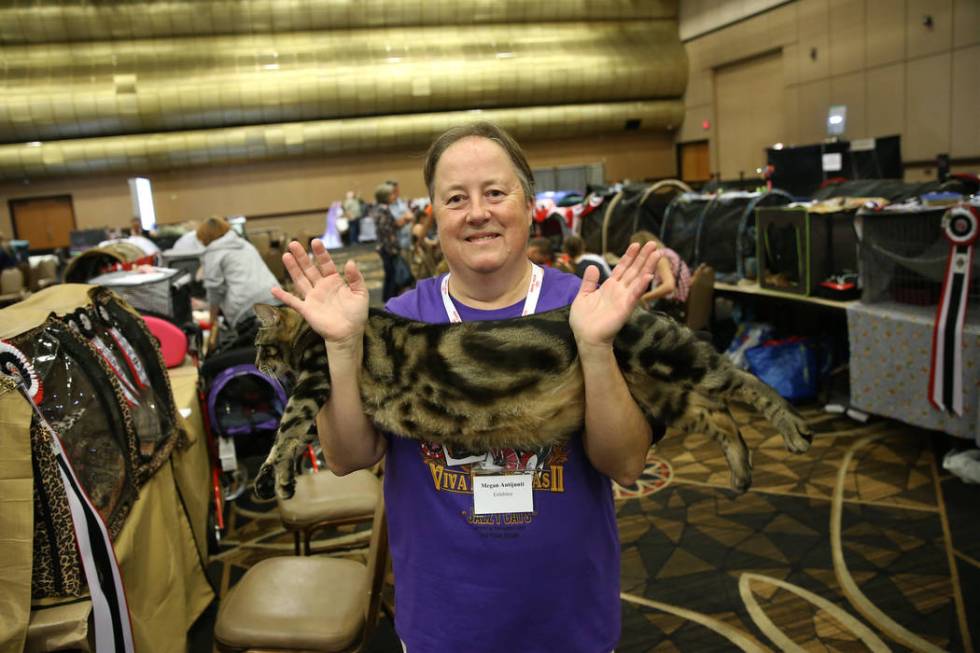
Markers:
{"x": 533, "y": 582}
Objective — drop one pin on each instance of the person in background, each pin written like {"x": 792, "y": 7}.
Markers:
{"x": 388, "y": 226}
{"x": 353, "y": 211}
{"x": 672, "y": 277}
{"x": 188, "y": 243}
{"x": 544, "y": 577}
{"x": 136, "y": 228}
{"x": 235, "y": 279}
{"x": 574, "y": 248}
{"x": 403, "y": 214}
{"x": 540, "y": 251}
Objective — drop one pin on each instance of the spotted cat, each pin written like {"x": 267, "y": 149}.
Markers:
{"x": 510, "y": 383}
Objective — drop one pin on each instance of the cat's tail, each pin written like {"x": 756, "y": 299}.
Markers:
{"x": 777, "y": 411}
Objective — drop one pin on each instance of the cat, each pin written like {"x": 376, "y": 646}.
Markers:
{"x": 509, "y": 383}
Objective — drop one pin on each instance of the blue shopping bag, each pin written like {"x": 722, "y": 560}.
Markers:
{"x": 789, "y": 366}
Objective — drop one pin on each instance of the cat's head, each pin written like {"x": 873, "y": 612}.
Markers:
{"x": 278, "y": 327}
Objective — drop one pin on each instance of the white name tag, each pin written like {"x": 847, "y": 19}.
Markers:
{"x": 502, "y": 493}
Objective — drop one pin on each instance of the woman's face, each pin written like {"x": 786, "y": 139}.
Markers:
{"x": 481, "y": 212}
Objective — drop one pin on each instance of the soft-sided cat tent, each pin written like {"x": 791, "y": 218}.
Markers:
{"x": 78, "y": 363}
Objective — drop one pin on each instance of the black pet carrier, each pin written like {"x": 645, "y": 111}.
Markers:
{"x": 636, "y": 207}
{"x": 681, "y": 223}
{"x": 726, "y": 235}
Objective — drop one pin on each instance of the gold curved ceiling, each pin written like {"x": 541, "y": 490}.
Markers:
{"x": 104, "y": 86}
{"x": 178, "y": 150}
{"x": 95, "y": 89}
{"x": 53, "y": 21}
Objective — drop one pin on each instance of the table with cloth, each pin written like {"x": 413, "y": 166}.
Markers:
{"x": 891, "y": 351}
{"x": 162, "y": 548}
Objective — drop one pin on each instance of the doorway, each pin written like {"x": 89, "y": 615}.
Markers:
{"x": 694, "y": 161}
{"x": 45, "y": 222}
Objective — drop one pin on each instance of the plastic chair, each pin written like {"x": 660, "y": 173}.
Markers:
{"x": 12, "y": 285}
{"x": 173, "y": 340}
{"x": 279, "y": 605}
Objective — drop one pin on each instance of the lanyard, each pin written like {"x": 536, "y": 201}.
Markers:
{"x": 530, "y": 302}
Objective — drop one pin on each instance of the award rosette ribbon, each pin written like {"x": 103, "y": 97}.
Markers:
{"x": 961, "y": 225}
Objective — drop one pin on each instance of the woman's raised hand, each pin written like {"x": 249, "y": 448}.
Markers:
{"x": 599, "y": 312}
{"x": 335, "y": 307}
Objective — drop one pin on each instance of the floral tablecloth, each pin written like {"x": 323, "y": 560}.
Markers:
{"x": 891, "y": 346}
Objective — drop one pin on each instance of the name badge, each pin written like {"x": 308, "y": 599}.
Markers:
{"x": 495, "y": 493}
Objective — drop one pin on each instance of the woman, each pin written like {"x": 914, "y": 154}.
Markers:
{"x": 235, "y": 278}
{"x": 544, "y": 578}
{"x": 671, "y": 277}
{"x": 389, "y": 250}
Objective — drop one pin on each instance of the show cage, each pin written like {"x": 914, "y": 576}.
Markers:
{"x": 797, "y": 249}
{"x": 725, "y": 239}
{"x": 637, "y": 207}
{"x": 904, "y": 253}
{"x": 717, "y": 229}
{"x": 682, "y": 218}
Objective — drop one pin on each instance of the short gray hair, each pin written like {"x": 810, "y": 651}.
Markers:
{"x": 383, "y": 193}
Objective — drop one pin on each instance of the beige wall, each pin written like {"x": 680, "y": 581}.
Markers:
{"x": 302, "y": 185}
{"x": 895, "y": 75}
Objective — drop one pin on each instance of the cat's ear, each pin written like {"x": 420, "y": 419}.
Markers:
{"x": 267, "y": 314}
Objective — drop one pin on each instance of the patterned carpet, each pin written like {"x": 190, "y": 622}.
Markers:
{"x": 863, "y": 543}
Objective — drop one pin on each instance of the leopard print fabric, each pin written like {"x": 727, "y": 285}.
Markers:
{"x": 509, "y": 384}
{"x": 57, "y": 568}
{"x": 108, "y": 469}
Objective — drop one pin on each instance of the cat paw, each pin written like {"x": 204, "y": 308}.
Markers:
{"x": 796, "y": 433}
{"x": 742, "y": 479}
{"x": 265, "y": 482}
{"x": 286, "y": 490}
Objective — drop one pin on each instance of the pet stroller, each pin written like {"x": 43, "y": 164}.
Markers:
{"x": 242, "y": 408}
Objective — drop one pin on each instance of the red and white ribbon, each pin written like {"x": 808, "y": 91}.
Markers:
{"x": 961, "y": 225}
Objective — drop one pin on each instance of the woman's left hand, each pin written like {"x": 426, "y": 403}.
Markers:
{"x": 599, "y": 312}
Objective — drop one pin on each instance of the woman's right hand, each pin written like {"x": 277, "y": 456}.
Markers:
{"x": 335, "y": 307}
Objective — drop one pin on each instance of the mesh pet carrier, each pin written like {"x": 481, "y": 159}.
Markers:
{"x": 682, "y": 219}
{"x": 798, "y": 249}
{"x": 164, "y": 291}
{"x": 242, "y": 402}
{"x": 634, "y": 208}
{"x": 726, "y": 234}
{"x": 591, "y": 225}
{"x": 903, "y": 255}
{"x": 717, "y": 229}
{"x": 893, "y": 190}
